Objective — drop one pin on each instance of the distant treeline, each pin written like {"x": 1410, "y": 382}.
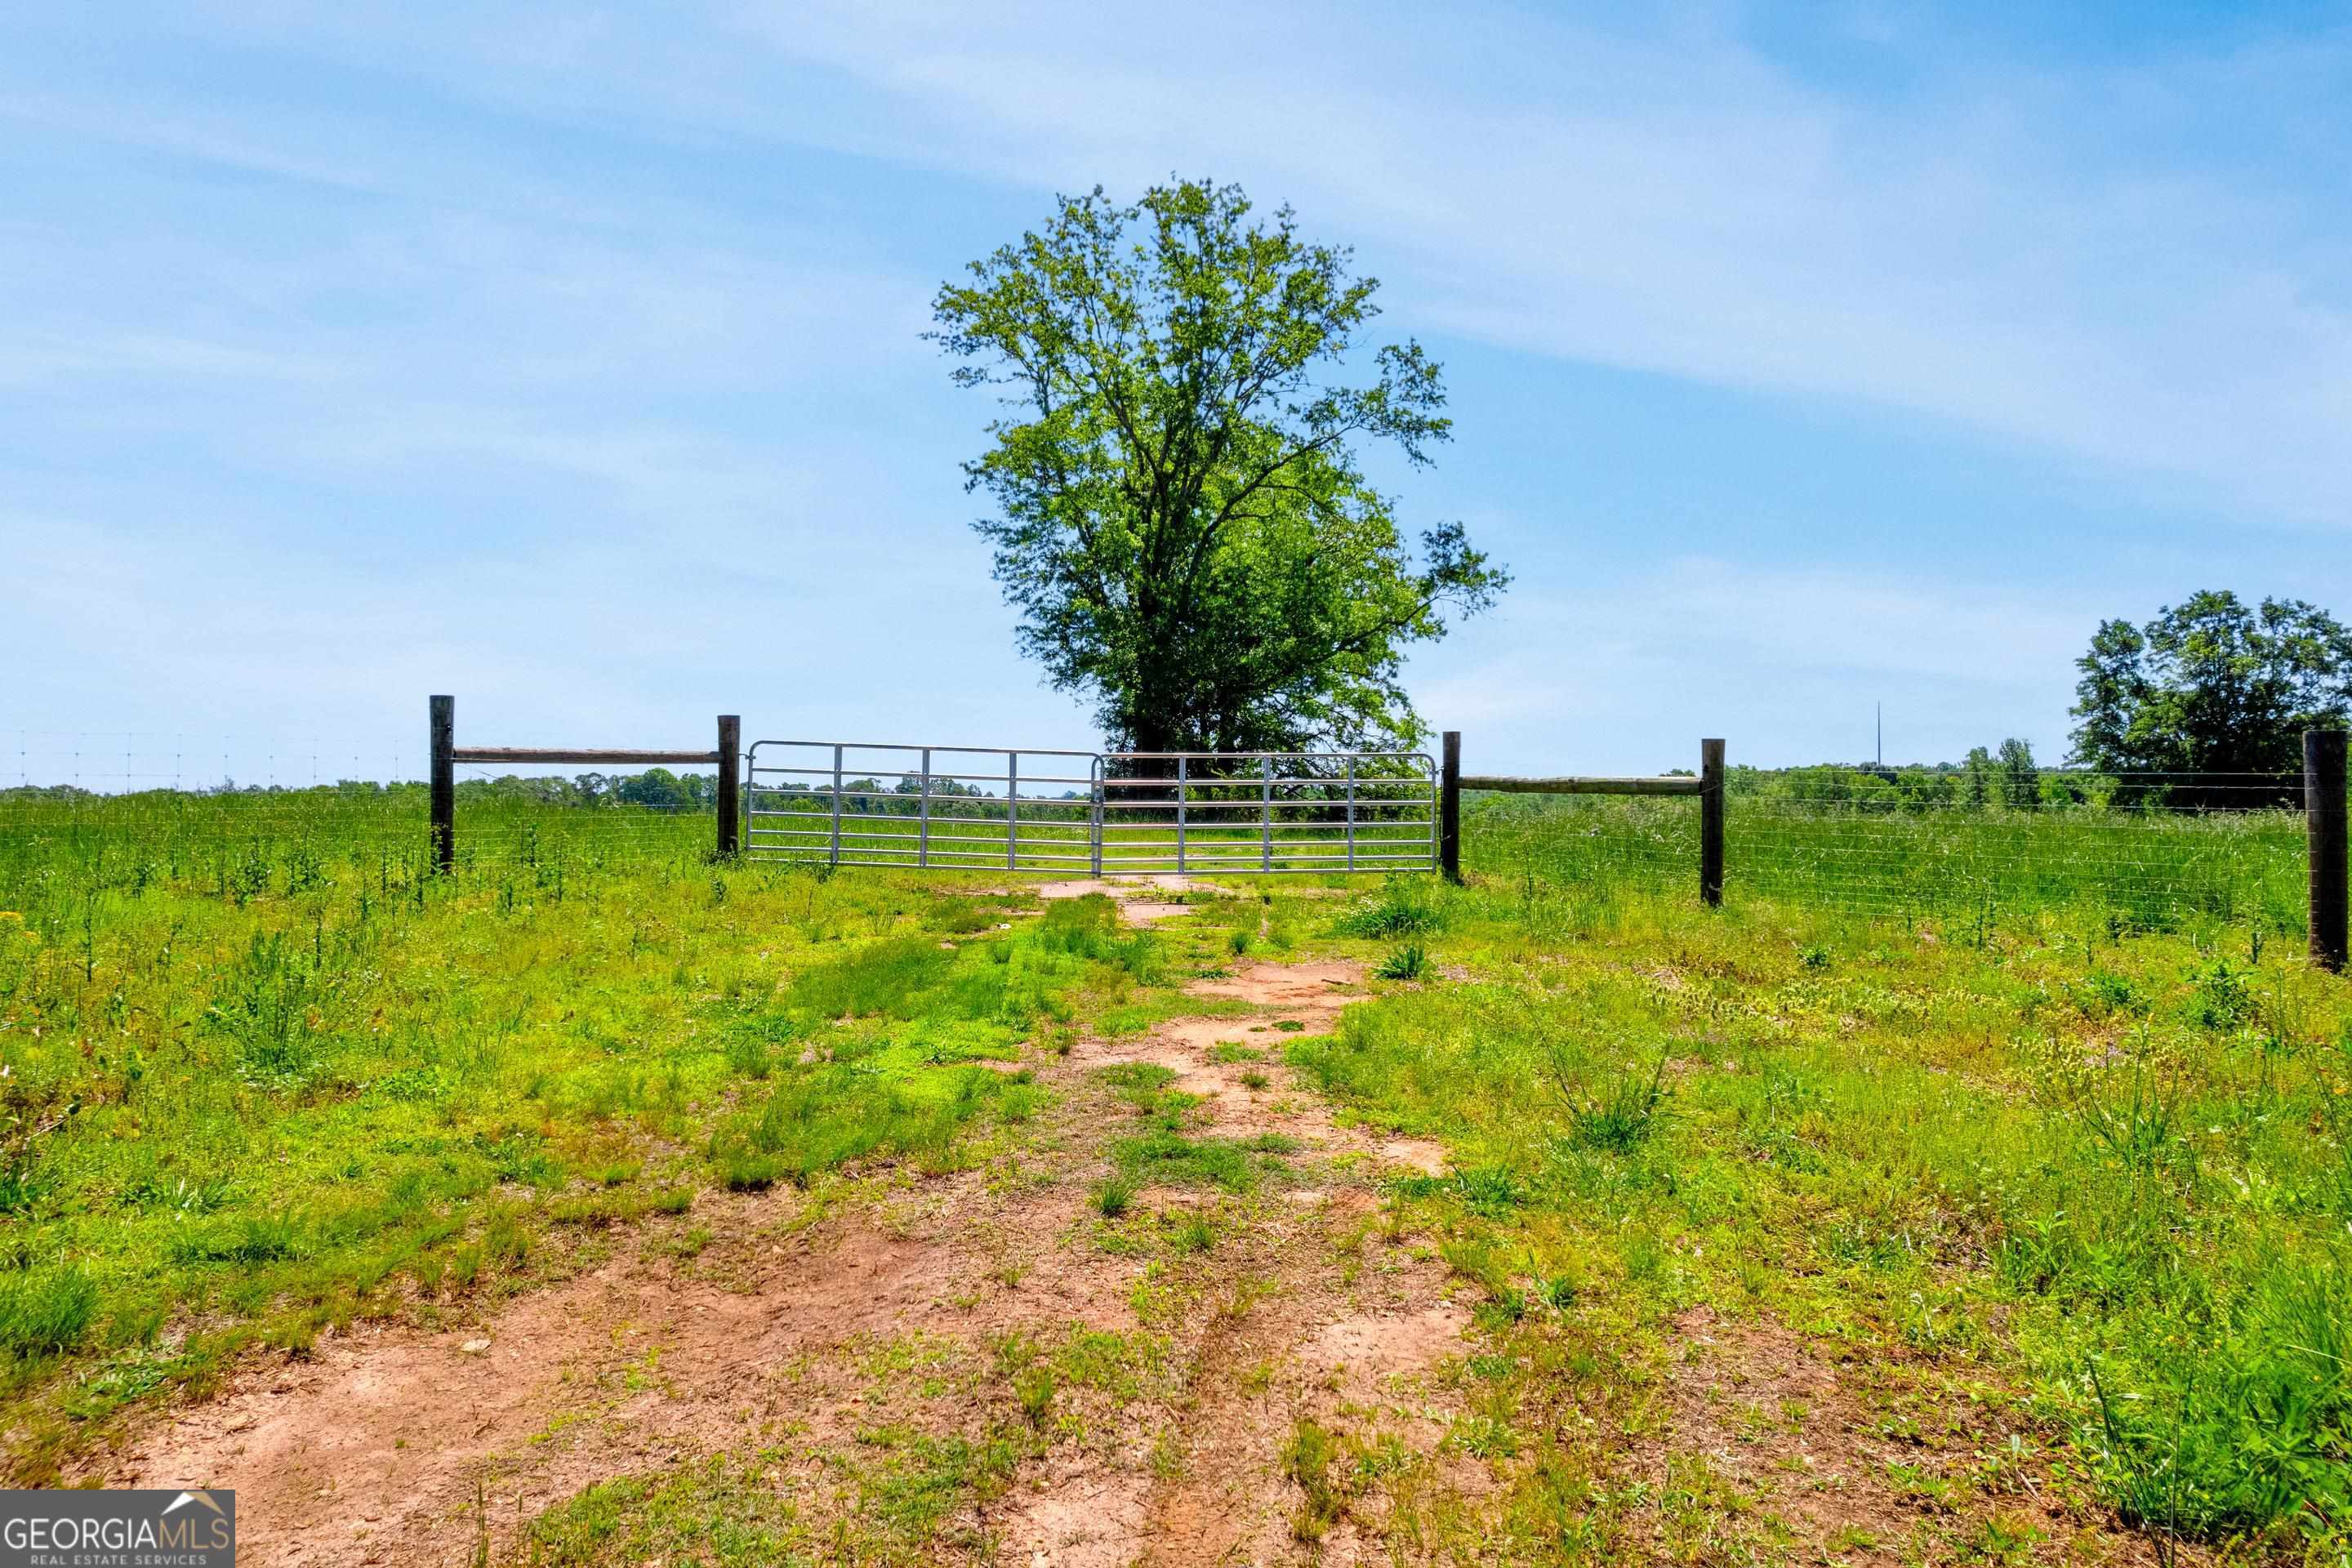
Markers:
{"x": 655, "y": 789}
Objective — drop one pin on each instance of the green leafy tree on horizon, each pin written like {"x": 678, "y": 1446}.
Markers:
{"x": 2211, "y": 687}
{"x": 1182, "y": 519}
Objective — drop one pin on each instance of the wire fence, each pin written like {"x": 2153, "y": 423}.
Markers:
{"x": 2147, "y": 851}
{"x": 245, "y": 814}
{"x": 249, "y": 842}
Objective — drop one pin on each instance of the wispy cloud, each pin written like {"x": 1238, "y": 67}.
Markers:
{"x": 2020, "y": 251}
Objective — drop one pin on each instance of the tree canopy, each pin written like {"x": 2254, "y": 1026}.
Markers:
{"x": 1181, "y": 519}
{"x": 2211, "y": 686}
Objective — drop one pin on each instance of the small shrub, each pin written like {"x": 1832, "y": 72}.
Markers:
{"x": 2222, "y": 999}
{"x": 2103, "y": 994}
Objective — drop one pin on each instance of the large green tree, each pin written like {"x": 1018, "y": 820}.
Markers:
{"x": 1180, "y": 515}
{"x": 2209, "y": 687}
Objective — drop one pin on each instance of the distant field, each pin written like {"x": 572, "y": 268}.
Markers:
{"x": 2151, "y": 869}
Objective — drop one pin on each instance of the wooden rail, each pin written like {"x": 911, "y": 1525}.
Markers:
{"x": 1707, "y": 784}
{"x": 446, "y": 754}
{"x": 1579, "y": 783}
{"x": 572, "y": 754}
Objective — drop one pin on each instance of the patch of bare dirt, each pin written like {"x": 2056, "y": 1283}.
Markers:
{"x": 1356, "y": 1357}
{"x": 1373, "y": 1349}
{"x": 1143, "y": 898}
{"x": 378, "y": 1443}
{"x": 1302, "y": 991}
{"x": 1808, "y": 1438}
{"x": 1422, "y": 1154}
{"x": 1088, "y": 1516}
{"x": 1148, "y": 912}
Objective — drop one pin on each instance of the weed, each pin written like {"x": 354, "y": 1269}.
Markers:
{"x": 1619, "y": 1118}
{"x": 1194, "y": 1234}
{"x": 1406, "y": 963}
{"x": 1034, "y": 1387}
{"x": 1490, "y": 1190}
{"x": 1406, "y": 907}
{"x": 1306, "y": 1460}
{"x": 1114, "y": 1197}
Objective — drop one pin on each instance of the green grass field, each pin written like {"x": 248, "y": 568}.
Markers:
{"x": 2064, "y": 1150}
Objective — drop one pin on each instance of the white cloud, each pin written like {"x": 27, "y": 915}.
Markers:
{"x": 1682, "y": 204}
{"x": 2023, "y": 251}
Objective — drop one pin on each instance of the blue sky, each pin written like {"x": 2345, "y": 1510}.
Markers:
{"x": 1801, "y": 359}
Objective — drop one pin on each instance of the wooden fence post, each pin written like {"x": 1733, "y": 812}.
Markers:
{"x": 443, "y": 727}
{"x": 2323, "y": 818}
{"x": 1449, "y": 808}
{"x": 1710, "y": 823}
{"x": 730, "y": 806}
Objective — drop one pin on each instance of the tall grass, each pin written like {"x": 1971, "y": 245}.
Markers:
{"x": 2115, "y": 1164}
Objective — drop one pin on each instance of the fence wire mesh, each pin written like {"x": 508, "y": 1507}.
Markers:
{"x": 2149, "y": 850}
{"x": 245, "y": 814}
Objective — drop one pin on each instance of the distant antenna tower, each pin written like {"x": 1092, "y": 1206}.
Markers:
{"x": 1882, "y": 736}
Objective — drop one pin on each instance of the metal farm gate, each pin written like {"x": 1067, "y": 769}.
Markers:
{"x": 855, "y": 803}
